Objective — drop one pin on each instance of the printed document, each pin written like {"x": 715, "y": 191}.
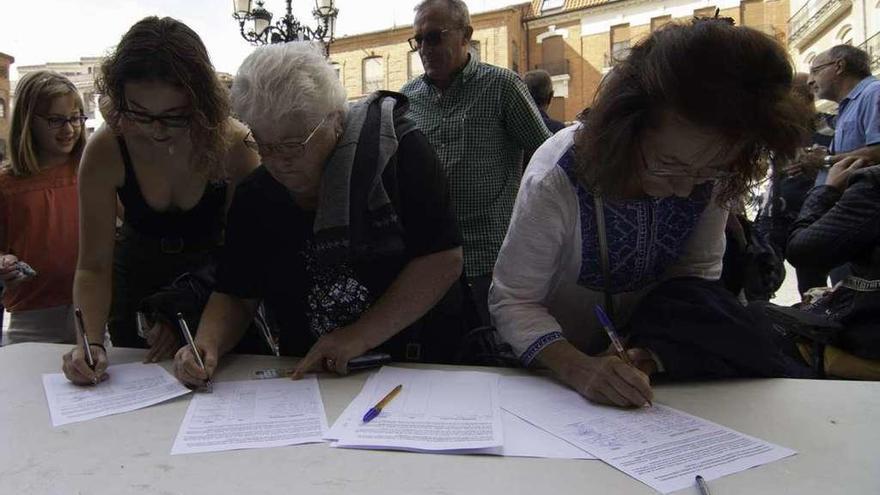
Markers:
{"x": 253, "y": 414}
{"x": 434, "y": 411}
{"x": 130, "y": 387}
{"x": 659, "y": 446}
{"x": 521, "y": 439}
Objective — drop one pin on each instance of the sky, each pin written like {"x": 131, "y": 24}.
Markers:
{"x": 40, "y": 31}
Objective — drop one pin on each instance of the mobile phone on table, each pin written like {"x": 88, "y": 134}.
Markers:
{"x": 366, "y": 361}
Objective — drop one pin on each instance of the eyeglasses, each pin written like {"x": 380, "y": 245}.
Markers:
{"x": 431, "y": 38}
{"x": 683, "y": 170}
{"x": 176, "y": 121}
{"x": 815, "y": 70}
{"x": 290, "y": 149}
{"x": 708, "y": 173}
{"x": 57, "y": 122}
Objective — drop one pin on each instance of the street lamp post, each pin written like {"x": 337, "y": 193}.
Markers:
{"x": 260, "y": 30}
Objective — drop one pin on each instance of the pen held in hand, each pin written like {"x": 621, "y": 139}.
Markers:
{"x": 375, "y": 410}
{"x": 612, "y": 334}
{"x": 615, "y": 340}
{"x": 187, "y": 335}
{"x": 81, "y": 328}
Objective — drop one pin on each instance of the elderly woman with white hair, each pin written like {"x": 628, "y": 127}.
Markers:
{"x": 345, "y": 231}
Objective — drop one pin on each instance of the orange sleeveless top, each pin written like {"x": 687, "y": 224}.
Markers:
{"x": 39, "y": 217}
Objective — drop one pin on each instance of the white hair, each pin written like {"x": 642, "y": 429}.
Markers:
{"x": 281, "y": 82}
{"x": 458, "y": 11}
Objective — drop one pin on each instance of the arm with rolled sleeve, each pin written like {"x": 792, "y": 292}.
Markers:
{"x": 521, "y": 117}
{"x": 527, "y": 264}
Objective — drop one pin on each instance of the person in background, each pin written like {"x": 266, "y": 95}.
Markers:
{"x": 790, "y": 182}
{"x": 541, "y": 88}
{"x": 345, "y": 232}
{"x": 38, "y": 208}
{"x": 842, "y": 74}
{"x": 677, "y": 133}
{"x": 481, "y": 121}
{"x": 172, "y": 156}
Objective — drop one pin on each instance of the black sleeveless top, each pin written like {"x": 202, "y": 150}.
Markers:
{"x": 202, "y": 221}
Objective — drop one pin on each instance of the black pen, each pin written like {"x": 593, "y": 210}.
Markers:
{"x": 184, "y": 329}
{"x": 85, "y": 338}
{"x": 704, "y": 488}
{"x": 87, "y": 348}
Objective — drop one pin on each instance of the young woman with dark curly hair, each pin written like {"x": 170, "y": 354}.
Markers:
{"x": 170, "y": 156}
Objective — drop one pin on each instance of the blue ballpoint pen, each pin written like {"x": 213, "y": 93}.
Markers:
{"x": 375, "y": 410}
{"x": 615, "y": 339}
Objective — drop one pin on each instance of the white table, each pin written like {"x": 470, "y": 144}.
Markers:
{"x": 832, "y": 424}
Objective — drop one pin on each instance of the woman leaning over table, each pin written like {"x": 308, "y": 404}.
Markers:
{"x": 678, "y": 130}
{"x": 171, "y": 155}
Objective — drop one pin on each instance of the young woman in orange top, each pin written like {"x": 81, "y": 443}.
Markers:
{"x": 38, "y": 208}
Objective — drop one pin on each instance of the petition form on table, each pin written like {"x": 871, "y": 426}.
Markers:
{"x": 253, "y": 414}
{"x": 130, "y": 387}
{"x": 659, "y": 446}
{"x": 521, "y": 439}
{"x": 435, "y": 410}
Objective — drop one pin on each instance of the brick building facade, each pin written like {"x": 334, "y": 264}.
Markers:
{"x": 576, "y": 41}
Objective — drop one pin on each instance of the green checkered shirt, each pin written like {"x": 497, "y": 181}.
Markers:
{"x": 479, "y": 127}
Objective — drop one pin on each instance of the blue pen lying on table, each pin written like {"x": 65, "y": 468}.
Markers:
{"x": 375, "y": 410}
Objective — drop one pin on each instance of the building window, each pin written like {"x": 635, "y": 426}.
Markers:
{"x": 374, "y": 74}
{"x": 705, "y": 12}
{"x": 338, "y": 69}
{"x": 4, "y": 72}
{"x": 2, "y": 108}
{"x": 553, "y": 56}
{"x": 514, "y": 55}
{"x": 659, "y": 22}
{"x": 415, "y": 67}
{"x": 619, "y": 43}
{"x": 552, "y": 4}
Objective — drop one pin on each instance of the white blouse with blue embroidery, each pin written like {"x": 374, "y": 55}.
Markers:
{"x": 547, "y": 277}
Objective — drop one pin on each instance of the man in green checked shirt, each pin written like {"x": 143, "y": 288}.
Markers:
{"x": 480, "y": 119}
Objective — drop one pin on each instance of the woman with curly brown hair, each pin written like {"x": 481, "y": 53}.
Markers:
{"x": 628, "y": 209}
{"x": 170, "y": 156}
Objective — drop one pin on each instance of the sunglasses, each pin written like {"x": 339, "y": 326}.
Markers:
{"x": 431, "y": 38}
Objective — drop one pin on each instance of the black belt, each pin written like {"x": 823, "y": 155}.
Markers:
{"x": 171, "y": 244}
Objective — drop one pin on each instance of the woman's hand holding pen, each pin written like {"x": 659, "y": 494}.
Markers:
{"x": 187, "y": 368}
{"x": 76, "y": 366}
{"x": 603, "y": 379}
